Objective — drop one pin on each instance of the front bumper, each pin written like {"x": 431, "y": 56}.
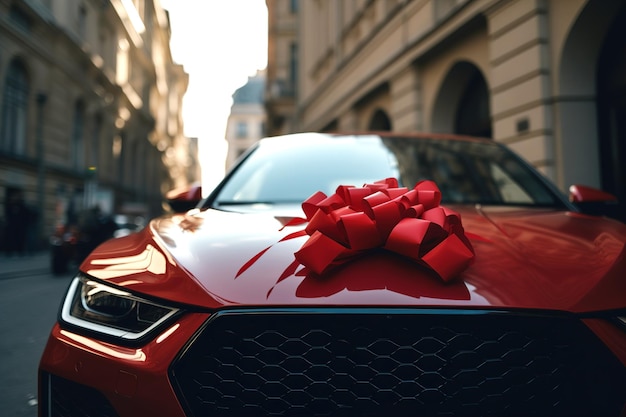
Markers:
{"x": 76, "y": 371}
{"x": 339, "y": 362}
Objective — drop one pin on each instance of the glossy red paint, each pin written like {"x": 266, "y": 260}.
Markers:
{"x": 134, "y": 380}
{"x": 611, "y": 335}
{"x": 140, "y": 263}
{"x": 525, "y": 258}
{"x": 583, "y": 194}
{"x": 191, "y": 193}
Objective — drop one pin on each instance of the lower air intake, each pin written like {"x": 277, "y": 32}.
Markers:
{"x": 65, "y": 398}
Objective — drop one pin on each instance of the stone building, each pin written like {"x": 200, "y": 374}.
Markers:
{"x": 282, "y": 66}
{"x": 545, "y": 77}
{"x": 246, "y": 121}
{"x": 90, "y": 109}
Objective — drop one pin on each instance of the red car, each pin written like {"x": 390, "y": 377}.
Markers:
{"x": 353, "y": 275}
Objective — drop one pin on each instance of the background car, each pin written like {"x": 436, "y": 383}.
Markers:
{"x": 71, "y": 243}
{"x": 342, "y": 275}
{"x": 127, "y": 224}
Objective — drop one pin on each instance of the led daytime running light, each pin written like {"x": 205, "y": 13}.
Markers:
{"x": 104, "y": 309}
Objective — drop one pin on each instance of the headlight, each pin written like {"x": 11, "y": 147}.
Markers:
{"x": 101, "y": 308}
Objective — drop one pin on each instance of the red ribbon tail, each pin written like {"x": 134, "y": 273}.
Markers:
{"x": 251, "y": 261}
{"x": 449, "y": 258}
{"x": 319, "y": 252}
{"x": 290, "y": 270}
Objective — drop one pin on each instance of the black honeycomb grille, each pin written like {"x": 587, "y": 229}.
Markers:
{"x": 292, "y": 363}
{"x": 65, "y": 398}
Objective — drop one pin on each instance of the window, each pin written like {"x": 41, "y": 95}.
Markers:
{"x": 78, "y": 144}
{"x": 509, "y": 189}
{"x": 241, "y": 130}
{"x": 82, "y": 21}
{"x": 95, "y": 141}
{"x": 293, "y": 67}
{"x": 14, "y": 109}
{"x": 107, "y": 47}
{"x": 119, "y": 154}
{"x": 443, "y": 8}
{"x": 136, "y": 167}
{"x": 20, "y": 19}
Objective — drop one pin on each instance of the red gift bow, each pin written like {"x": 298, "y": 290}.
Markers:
{"x": 354, "y": 220}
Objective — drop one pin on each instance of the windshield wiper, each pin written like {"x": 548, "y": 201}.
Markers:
{"x": 242, "y": 202}
{"x": 253, "y": 202}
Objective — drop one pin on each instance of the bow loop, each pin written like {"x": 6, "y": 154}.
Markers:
{"x": 311, "y": 204}
{"x": 382, "y": 215}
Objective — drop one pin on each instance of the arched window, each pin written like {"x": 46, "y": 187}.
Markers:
{"x": 462, "y": 105}
{"x": 380, "y": 122}
{"x": 473, "y": 116}
{"x": 591, "y": 110}
{"x": 14, "y": 109}
{"x": 611, "y": 110}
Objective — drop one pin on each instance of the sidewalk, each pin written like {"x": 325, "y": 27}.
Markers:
{"x": 17, "y": 266}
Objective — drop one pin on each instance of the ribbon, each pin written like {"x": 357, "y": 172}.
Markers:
{"x": 356, "y": 220}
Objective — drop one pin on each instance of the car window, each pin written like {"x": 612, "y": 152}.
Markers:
{"x": 274, "y": 174}
{"x": 509, "y": 190}
{"x": 470, "y": 171}
{"x": 290, "y": 171}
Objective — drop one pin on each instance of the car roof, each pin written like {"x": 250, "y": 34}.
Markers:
{"x": 313, "y": 136}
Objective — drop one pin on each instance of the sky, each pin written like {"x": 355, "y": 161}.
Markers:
{"x": 220, "y": 43}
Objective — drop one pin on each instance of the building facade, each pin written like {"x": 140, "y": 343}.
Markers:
{"x": 90, "y": 110}
{"x": 545, "y": 77}
{"x": 246, "y": 121}
{"x": 282, "y": 66}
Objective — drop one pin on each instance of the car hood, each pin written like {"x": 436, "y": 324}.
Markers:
{"x": 524, "y": 258}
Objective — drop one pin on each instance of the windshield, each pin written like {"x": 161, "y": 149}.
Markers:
{"x": 291, "y": 169}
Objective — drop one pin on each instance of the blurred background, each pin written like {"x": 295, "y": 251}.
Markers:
{"x": 113, "y": 103}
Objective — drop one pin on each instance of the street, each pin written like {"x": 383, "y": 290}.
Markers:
{"x": 29, "y": 300}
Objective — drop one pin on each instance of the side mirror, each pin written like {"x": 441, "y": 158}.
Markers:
{"x": 583, "y": 194}
{"x": 184, "y": 199}
{"x": 595, "y": 202}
